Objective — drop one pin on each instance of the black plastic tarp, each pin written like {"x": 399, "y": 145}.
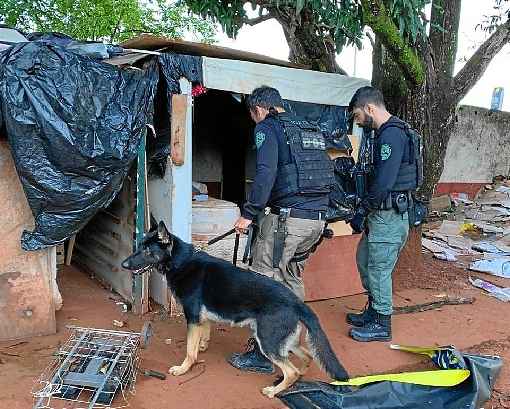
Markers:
{"x": 470, "y": 394}
{"x": 330, "y": 119}
{"x": 92, "y": 49}
{"x": 74, "y": 126}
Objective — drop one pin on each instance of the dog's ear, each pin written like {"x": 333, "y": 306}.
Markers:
{"x": 163, "y": 234}
{"x": 153, "y": 224}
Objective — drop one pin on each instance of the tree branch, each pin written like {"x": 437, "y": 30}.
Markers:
{"x": 372, "y": 41}
{"x": 467, "y": 77}
{"x": 257, "y": 20}
{"x": 377, "y": 18}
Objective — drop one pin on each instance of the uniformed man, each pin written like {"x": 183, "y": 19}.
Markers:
{"x": 292, "y": 182}
{"x": 382, "y": 216}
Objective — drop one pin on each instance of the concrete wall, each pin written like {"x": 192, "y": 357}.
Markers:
{"x": 27, "y": 279}
{"x": 479, "y": 148}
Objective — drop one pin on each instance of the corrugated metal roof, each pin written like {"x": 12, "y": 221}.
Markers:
{"x": 151, "y": 42}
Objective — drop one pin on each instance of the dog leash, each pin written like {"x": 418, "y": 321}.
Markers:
{"x": 236, "y": 243}
{"x": 221, "y": 237}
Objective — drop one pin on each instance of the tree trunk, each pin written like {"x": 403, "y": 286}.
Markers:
{"x": 427, "y": 108}
{"x": 305, "y": 46}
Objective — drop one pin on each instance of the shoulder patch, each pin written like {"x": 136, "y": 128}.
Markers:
{"x": 260, "y": 137}
{"x": 385, "y": 151}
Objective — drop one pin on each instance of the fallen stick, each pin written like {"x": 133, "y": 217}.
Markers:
{"x": 195, "y": 376}
{"x": 16, "y": 344}
{"x": 9, "y": 354}
{"x": 433, "y": 305}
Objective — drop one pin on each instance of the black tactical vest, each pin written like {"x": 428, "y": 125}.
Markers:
{"x": 310, "y": 170}
{"x": 410, "y": 174}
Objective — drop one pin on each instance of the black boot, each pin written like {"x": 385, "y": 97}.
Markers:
{"x": 252, "y": 360}
{"x": 358, "y": 320}
{"x": 379, "y": 329}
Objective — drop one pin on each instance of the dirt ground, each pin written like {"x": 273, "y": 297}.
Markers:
{"x": 480, "y": 327}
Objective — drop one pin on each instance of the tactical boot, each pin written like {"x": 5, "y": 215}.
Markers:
{"x": 379, "y": 329}
{"x": 252, "y": 360}
{"x": 358, "y": 320}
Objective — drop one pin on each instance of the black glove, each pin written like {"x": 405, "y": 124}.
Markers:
{"x": 358, "y": 222}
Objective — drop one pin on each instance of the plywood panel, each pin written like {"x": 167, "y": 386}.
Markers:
{"x": 26, "y": 302}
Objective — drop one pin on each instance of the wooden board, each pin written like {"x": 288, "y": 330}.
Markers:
{"x": 178, "y": 138}
{"x": 27, "y": 306}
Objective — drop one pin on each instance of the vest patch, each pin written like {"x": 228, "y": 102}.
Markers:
{"x": 385, "y": 151}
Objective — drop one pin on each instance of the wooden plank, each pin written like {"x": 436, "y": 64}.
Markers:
{"x": 27, "y": 305}
{"x": 70, "y": 248}
{"x": 178, "y": 133}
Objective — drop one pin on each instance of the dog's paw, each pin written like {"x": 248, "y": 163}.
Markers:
{"x": 177, "y": 370}
{"x": 204, "y": 345}
{"x": 269, "y": 391}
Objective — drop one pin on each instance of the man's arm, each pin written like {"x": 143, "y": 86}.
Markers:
{"x": 265, "y": 175}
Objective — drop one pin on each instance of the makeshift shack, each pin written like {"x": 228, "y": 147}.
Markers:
{"x": 212, "y": 135}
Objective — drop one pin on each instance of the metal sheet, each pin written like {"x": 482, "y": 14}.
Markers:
{"x": 293, "y": 84}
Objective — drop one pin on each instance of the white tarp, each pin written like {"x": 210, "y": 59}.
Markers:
{"x": 294, "y": 84}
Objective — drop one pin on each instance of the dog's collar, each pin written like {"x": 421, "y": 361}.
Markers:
{"x": 143, "y": 270}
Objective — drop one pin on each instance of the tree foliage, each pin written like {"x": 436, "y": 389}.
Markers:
{"x": 340, "y": 20}
{"x": 109, "y": 20}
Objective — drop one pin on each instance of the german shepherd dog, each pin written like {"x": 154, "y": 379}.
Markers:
{"x": 211, "y": 289}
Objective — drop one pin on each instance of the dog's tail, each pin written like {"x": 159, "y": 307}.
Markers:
{"x": 319, "y": 345}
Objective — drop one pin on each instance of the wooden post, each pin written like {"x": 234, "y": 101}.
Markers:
{"x": 181, "y": 168}
{"x": 70, "y": 248}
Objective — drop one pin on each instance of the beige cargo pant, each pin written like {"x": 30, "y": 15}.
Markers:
{"x": 302, "y": 234}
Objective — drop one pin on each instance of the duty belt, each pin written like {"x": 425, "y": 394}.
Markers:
{"x": 302, "y": 214}
{"x": 399, "y": 201}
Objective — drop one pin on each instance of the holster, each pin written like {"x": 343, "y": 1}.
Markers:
{"x": 252, "y": 234}
{"x": 280, "y": 233}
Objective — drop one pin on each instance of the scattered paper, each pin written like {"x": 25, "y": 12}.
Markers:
{"x": 452, "y": 228}
{"x": 486, "y": 247}
{"x": 488, "y": 228}
{"x": 499, "y": 267}
{"x": 503, "y": 189}
{"x": 502, "y": 294}
{"x": 440, "y": 250}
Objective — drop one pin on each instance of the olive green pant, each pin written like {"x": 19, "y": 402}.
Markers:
{"x": 377, "y": 254}
{"x": 302, "y": 234}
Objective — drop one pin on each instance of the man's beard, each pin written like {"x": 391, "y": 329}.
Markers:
{"x": 368, "y": 124}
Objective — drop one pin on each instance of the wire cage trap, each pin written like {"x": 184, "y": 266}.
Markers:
{"x": 94, "y": 368}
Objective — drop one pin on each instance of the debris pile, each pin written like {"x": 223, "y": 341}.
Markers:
{"x": 472, "y": 233}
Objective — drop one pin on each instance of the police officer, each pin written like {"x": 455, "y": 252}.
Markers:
{"x": 382, "y": 216}
{"x": 294, "y": 189}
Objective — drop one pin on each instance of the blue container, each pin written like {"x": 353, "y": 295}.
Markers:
{"x": 497, "y": 98}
